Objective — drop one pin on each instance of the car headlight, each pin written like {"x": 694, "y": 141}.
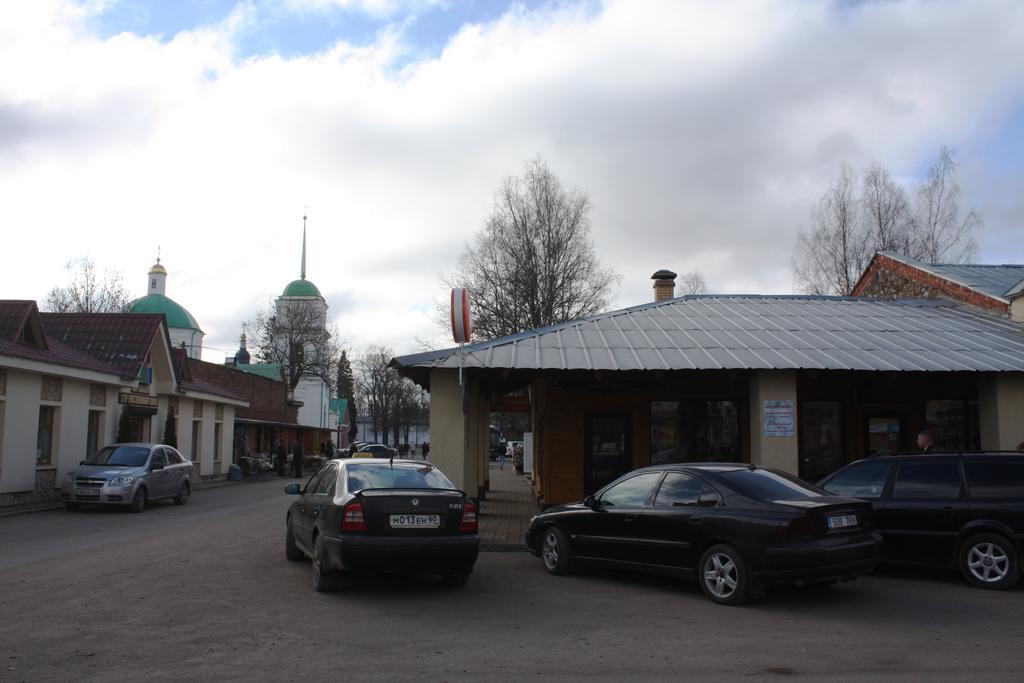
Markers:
{"x": 121, "y": 480}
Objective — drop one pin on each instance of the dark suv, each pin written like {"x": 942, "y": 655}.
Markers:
{"x": 964, "y": 510}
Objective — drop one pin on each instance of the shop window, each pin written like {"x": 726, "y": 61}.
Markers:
{"x": 694, "y": 431}
{"x": 954, "y": 425}
{"x": 821, "y": 439}
{"x": 93, "y": 432}
{"x": 46, "y": 435}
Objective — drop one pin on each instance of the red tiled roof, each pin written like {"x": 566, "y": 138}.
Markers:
{"x": 58, "y": 354}
{"x": 186, "y": 380}
{"x": 122, "y": 340}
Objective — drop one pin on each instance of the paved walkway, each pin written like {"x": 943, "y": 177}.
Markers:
{"x": 506, "y": 510}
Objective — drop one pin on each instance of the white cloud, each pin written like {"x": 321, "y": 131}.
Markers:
{"x": 702, "y": 132}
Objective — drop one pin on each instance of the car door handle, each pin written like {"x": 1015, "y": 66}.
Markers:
{"x": 696, "y": 520}
{"x": 631, "y": 518}
{"x": 949, "y": 510}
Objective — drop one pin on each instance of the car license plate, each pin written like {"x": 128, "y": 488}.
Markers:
{"x": 842, "y": 521}
{"x": 87, "y": 493}
{"x": 415, "y": 521}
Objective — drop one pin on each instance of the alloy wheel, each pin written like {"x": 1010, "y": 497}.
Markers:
{"x": 988, "y": 562}
{"x": 721, "y": 575}
{"x": 550, "y": 550}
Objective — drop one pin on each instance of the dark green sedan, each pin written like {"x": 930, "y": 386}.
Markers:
{"x": 377, "y": 515}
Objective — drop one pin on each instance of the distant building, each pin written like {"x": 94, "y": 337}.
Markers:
{"x": 301, "y": 299}
{"x": 183, "y": 328}
{"x": 996, "y": 289}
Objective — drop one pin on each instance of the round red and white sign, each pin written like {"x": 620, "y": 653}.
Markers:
{"x": 462, "y": 319}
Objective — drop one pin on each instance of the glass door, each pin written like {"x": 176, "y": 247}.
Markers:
{"x": 607, "y": 449}
{"x": 884, "y": 434}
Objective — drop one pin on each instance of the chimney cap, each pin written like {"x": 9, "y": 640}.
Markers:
{"x": 664, "y": 275}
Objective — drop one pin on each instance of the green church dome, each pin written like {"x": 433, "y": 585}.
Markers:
{"x": 301, "y": 288}
{"x": 177, "y": 316}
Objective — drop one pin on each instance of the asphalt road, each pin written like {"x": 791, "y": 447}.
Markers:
{"x": 204, "y": 592}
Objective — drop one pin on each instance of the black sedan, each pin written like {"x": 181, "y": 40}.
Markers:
{"x": 375, "y": 515}
{"x": 736, "y": 528}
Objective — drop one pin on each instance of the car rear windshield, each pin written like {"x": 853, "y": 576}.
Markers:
{"x": 767, "y": 485}
{"x": 121, "y": 456}
{"x": 383, "y": 476}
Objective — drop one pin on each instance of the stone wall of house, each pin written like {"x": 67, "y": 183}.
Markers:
{"x": 45, "y": 491}
{"x": 890, "y": 279}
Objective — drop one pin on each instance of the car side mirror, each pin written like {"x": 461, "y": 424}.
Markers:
{"x": 591, "y": 502}
{"x": 292, "y": 489}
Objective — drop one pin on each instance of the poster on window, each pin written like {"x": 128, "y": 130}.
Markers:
{"x": 527, "y": 452}
{"x": 778, "y": 418}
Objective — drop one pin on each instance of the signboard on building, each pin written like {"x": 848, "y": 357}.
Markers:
{"x": 138, "y": 400}
{"x": 777, "y": 418}
{"x": 510, "y": 404}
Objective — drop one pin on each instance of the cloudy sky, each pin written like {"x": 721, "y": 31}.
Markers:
{"x": 703, "y": 132}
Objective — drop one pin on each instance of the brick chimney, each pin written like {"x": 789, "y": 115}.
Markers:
{"x": 664, "y": 285}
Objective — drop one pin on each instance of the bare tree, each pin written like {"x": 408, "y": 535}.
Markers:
{"x": 88, "y": 291}
{"x": 691, "y": 283}
{"x": 831, "y": 255}
{"x": 299, "y": 340}
{"x": 845, "y": 232}
{"x": 534, "y": 263}
{"x": 885, "y": 211}
{"x": 376, "y": 386}
{"x": 939, "y": 233}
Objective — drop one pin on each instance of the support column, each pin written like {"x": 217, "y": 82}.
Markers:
{"x": 1001, "y": 411}
{"x": 773, "y": 420}
{"x": 448, "y": 429}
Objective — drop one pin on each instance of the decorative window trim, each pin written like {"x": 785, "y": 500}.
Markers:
{"x": 51, "y": 389}
{"x": 3, "y": 382}
{"x": 97, "y": 396}
{"x": 219, "y": 414}
{"x": 197, "y": 410}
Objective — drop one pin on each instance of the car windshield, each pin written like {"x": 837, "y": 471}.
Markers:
{"x": 384, "y": 476}
{"x": 769, "y": 486}
{"x": 120, "y": 456}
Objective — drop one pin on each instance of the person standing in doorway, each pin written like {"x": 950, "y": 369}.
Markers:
{"x": 297, "y": 454}
{"x": 330, "y": 450}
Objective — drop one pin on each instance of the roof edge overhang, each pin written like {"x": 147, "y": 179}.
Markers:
{"x": 40, "y": 367}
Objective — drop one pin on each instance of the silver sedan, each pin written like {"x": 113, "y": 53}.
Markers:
{"x": 130, "y": 474}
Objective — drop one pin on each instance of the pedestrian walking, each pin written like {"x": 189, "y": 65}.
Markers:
{"x": 297, "y": 454}
{"x": 426, "y": 449}
{"x": 330, "y": 450}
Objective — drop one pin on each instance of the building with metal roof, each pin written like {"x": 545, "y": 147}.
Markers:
{"x": 801, "y": 383}
{"x": 997, "y": 289}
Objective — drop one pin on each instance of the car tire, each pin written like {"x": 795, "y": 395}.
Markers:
{"x": 455, "y": 579}
{"x": 555, "y": 552}
{"x": 139, "y": 500}
{"x": 70, "y": 507}
{"x": 724, "y": 576}
{"x": 990, "y": 561}
{"x": 291, "y": 551}
{"x": 183, "y": 493}
{"x": 323, "y": 580}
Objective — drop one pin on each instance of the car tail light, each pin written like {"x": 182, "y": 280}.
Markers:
{"x": 800, "y": 528}
{"x": 352, "y": 518}
{"x": 468, "y": 522}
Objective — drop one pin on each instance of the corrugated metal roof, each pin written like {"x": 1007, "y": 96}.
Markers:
{"x": 715, "y": 332}
{"x": 998, "y": 281}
